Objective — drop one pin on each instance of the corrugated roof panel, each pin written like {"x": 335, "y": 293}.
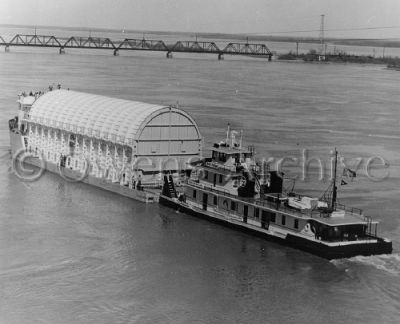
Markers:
{"x": 103, "y": 115}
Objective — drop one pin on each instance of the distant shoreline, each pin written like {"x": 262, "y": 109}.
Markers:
{"x": 395, "y": 43}
{"x": 392, "y": 63}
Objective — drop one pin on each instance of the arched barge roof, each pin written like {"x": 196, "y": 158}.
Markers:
{"x": 106, "y": 118}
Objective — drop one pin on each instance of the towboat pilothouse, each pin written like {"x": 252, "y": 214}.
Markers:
{"x": 232, "y": 189}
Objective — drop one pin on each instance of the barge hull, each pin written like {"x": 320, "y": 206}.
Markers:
{"x": 16, "y": 142}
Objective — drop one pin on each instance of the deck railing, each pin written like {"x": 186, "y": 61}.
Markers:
{"x": 277, "y": 204}
{"x": 352, "y": 210}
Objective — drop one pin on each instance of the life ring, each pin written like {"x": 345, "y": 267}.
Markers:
{"x": 309, "y": 229}
{"x": 242, "y": 181}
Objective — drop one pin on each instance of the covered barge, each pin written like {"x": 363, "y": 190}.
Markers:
{"x": 119, "y": 145}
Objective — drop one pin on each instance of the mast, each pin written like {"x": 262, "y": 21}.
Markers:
{"x": 334, "y": 192}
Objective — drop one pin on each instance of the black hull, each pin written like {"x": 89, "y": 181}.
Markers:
{"x": 319, "y": 249}
{"x": 339, "y": 252}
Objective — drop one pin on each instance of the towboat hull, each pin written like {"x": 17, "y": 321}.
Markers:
{"x": 346, "y": 250}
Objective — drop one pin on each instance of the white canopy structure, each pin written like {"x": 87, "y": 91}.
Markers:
{"x": 70, "y": 122}
{"x": 106, "y": 118}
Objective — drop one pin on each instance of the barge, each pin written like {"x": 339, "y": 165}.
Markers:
{"x": 117, "y": 145}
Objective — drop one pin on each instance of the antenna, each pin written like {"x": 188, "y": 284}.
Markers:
{"x": 334, "y": 192}
{"x": 227, "y": 134}
{"x": 321, "y": 36}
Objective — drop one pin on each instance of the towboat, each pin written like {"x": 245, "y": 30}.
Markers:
{"x": 232, "y": 189}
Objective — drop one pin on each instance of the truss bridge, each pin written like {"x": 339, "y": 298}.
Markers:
{"x": 247, "y": 49}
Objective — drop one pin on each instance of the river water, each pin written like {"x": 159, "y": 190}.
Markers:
{"x": 71, "y": 253}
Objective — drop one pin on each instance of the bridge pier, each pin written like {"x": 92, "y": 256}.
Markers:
{"x": 62, "y": 50}
{"x": 169, "y": 55}
{"x": 220, "y": 56}
{"x": 7, "y": 48}
{"x": 116, "y": 52}
{"x": 269, "y": 57}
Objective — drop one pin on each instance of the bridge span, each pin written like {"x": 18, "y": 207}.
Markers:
{"x": 248, "y": 49}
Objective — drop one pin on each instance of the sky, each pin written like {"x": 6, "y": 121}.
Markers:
{"x": 343, "y": 18}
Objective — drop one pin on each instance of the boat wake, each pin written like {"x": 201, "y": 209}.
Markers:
{"x": 384, "y": 136}
{"x": 389, "y": 263}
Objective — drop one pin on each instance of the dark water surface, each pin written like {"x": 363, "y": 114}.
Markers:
{"x": 70, "y": 253}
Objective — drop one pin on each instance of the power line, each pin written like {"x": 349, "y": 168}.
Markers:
{"x": 363, "y": 28}
{"x": 331, "y": 30}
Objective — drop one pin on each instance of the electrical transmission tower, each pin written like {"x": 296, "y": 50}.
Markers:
{"x": 322, "y": 38}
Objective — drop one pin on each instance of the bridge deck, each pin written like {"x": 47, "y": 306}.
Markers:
{"x": 136, "y": 44}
